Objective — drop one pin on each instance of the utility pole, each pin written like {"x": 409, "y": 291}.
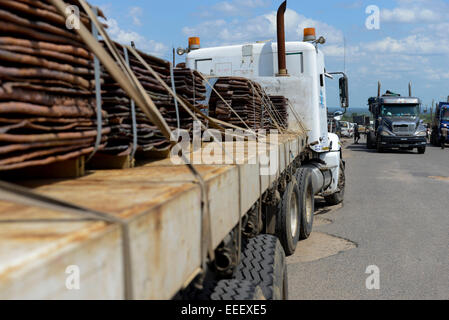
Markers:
{"x": 344, "y": 67}
{"x": 431, "y": 110}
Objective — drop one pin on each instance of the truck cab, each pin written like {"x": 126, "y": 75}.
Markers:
{"x": 440, "y": 124}
{"x": 397, "y": 123}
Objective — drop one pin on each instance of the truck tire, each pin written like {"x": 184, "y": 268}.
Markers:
{"x": 422, "y": 150}
{"x": 288, "y": 220}
{"x": 379, "y": 148}
{"x": 434, "y": 139}
{"x": 338, "y": 197}
{"x": 371, "y": 138}
{"x": 306, "y": 202}
{"x": 263, "y": 263}
{"x": 230, "y": 290}
{"x": 368, "y": 140}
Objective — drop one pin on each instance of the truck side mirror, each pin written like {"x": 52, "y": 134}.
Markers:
{"x": 344, "y": 92}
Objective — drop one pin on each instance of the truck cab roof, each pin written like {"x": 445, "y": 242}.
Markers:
{"x": 251, "y": 59}
{"x": 393, "y": 99}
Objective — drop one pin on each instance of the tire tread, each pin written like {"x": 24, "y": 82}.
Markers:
{"x": 259, "y": 259}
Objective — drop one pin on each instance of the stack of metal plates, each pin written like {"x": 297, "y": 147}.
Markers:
{"x": 116, "y": 102}
{"x": 244, "y": 100}
{"x": 280, "y": 113}
{"x": 47, "y": 104}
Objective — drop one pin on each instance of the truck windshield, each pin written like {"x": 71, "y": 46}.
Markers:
{"x": 445, "y": 115}
{"x": 398, "y": 110}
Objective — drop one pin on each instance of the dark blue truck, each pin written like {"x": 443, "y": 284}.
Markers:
{"x": 440, "y": 125}
{"x": 397, "y": 123}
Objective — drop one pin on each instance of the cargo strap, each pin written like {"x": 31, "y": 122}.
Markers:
{"x": 193, "y": 87}
{"x": 133, "y": 115}
{"x": 97, "y": 96}
{"x": 121, "y": 72}
{"x": 296, "y": 115}
{"x": 183, "y": 102}
{"x": 136, "y": 91}
{"x": 206, "y": 233}
{"x": 271, "y": 113}
{"x": 173, "y": 85}
{"x": 23, "y": 196}
{"x": 226, "y": 103}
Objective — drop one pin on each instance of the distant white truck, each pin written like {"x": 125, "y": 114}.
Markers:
{"x": 347, "y": 129}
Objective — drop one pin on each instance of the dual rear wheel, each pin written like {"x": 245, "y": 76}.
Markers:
{"x": 296, "y": 211}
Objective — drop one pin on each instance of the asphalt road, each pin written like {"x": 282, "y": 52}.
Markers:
{"x": 395, "y": 216}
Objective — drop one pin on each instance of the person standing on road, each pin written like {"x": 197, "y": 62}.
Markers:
{"x": 443, "y": 137}
{"x": 356, "y": 134}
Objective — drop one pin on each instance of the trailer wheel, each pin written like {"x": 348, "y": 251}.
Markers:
{"x": 306, "y": 202}
{"x": 339, "y": 196}
{"x": 288, "y": 219}
{"x": 230, "y": 290}
{"x": 263, "y": 263}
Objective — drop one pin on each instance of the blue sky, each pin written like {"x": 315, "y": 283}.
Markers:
{"x": 412, "y": 43}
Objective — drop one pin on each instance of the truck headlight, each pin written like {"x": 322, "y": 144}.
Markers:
{"x": 421, "y": 134}
{"x": 385, "y": 133}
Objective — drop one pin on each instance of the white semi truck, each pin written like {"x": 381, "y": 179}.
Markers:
{"x": 159, "y": 232}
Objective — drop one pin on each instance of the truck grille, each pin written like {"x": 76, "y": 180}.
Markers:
{"x": 404, "y": 129}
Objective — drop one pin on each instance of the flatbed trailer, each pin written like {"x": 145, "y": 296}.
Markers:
{"x": 161, "y": 203}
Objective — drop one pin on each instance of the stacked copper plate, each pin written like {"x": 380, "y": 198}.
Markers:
{"x": 244, "y": 100}
{"x": 47, "y": 105}
{"x": 280, "y": 114}
{"x": 189, "y": 85}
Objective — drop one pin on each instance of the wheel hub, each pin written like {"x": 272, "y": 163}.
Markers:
{"x": 294, "y": 214}
{"x": 309, "y": 207}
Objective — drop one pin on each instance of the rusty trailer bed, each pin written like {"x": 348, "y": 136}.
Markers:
{"x": 163, "y": 204}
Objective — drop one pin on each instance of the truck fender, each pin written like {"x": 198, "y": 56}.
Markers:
{"x": 333, "y": 159}
{"x": 335, "y": 142}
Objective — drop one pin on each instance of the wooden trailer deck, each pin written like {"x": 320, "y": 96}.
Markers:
{"x": 163, "y": 205}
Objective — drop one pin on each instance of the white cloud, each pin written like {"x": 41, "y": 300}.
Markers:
{"x": 428, "y": 36}
{"x": 135, "y": 13}
{"x": 142, "y": 43}
{"x": 416, "y": 50}
{"x": 233, "y": 8}
{"x": 405, "y": 15}
{"x": 263, "y": 27}
{"x": 416, "y": 11}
